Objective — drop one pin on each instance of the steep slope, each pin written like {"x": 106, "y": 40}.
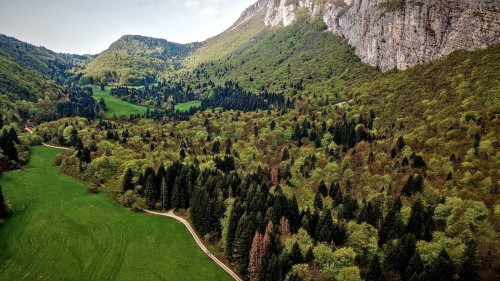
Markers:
{"x": 301, "y": 57}
{"x": 49, "y": 64}
{"x": 395, "y": 33}
{"x": 135, "y": 60}
{"x": 25, "y": 93}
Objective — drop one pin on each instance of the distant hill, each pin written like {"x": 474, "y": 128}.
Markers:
{"x": 49, "y": 64}
{"x": 136, "y": 60}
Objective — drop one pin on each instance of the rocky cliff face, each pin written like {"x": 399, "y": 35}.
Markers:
{"x": 396, "y": 33}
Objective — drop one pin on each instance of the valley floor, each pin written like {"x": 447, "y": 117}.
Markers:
{"x": 57, "y": 231}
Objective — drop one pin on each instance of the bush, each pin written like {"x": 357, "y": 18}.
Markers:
{"x": 139, "y": 205}
{"x": 92, "y": 189}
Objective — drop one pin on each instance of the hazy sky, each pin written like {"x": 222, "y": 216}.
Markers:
{"x": 90, "y": 26}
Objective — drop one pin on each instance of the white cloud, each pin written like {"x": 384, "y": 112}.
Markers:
{"x": 208, "y": 12}
{"x": 191, "y": 4}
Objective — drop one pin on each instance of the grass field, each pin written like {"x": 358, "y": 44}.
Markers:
{"x": 115, "y": 105}
{"x": 185, "y": 106}
{"x": 57, "y": 231}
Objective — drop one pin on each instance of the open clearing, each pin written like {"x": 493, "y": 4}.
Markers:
{"x": 57, "y": 231}
{"x": 116, "y": 107}
{"x": 185, "y": 106}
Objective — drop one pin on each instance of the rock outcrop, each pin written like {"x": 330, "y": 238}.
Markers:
{"x": 396, "y": 33}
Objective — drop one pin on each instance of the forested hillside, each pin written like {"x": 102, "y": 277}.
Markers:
{"x": 49, "y": 64}
{"x": 300, "y": 58}
{"x": 24, "y": 92}
{"x": 402, "y": 182}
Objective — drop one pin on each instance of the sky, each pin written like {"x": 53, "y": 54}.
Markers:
{"x": 90, "y": 26}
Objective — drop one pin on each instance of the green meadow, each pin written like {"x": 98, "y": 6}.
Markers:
{"x": 116, "y": 107}
{"x": 185, "y": 106}
{"x": 57, "y": 231}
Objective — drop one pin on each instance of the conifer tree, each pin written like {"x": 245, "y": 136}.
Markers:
{"x": 415, "y": 266}
{"x": 325, "y": 228}
{"x": 149, "y": 191}
{"x": 375, "y": 270}
{"x": 164, "y": 193}
{"x": 417, "y": 218}
{"x": 469, "y": 268}
{"x": 127, "y": 183}
{"x": 322, "y": 188}
{"x": 318, "y": 201}
{"x": 242, "y": 243}
{"x": 257, "y": 253}
{"x": 295, "y": 256}
{"x": 442, "y": 269}
{"x": 392, "y": 227}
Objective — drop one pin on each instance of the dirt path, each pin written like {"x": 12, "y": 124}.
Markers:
{"x": 198, "y": 241}
{"x": 29, "y": 130}
{"x": 341, "y": 104}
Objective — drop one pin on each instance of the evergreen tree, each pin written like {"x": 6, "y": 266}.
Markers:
{"x": 392, "y": 227}
{"x": 149, "y": 192}
{"x": 164, "y": 193}
{"x": 232, "y": 226}
{"x": 285, "y": 154}
{"x": 127, "y": 183}
{"x": 242, "y": 243}
{"x": 375, "y": 270}
{"x": 296, "y": 254}
{"x": 469, "y": 268}
{"x": 325, "y": 229}
{"x": 1, "y": 121}
{"x": 417, "y": 219}
{"x": 442, "y": 269}
{"x": 318, "y": 201}
{"x": 7, "y": 144}
{"x": 309, "y": 257}
{"x": 182, "y": 154}
{"x": 272, "y": 125}
{"x": 415, "y": 266}
{"x": 400, "y": 144}
{"x": 13, "y": 135}
{"x": 257, "y": 253}
{"x": 398, "y": 254}
{"x": 322, "y": 188}
{"x": 349, "y": 207}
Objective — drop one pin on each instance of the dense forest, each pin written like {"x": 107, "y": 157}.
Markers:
{"x": 55, "y": 66}
{"x": 228, "y": 97}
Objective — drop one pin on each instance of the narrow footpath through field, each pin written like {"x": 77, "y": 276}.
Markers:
{"x": 171, "y": 214}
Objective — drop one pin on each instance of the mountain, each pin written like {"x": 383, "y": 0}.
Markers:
{"x": 49, "y": 64}
{"x": 135, "y": 60}
{"x": 395, "y": 33}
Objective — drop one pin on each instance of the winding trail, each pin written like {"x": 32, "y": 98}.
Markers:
{"x": 171, "y": 214}
{"x": 29, "y": 130}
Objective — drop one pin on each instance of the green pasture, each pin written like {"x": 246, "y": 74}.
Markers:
{"x": 116, "y": 107}
{"x": 57, "y": 231}
{"x": 185, "y": 106}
